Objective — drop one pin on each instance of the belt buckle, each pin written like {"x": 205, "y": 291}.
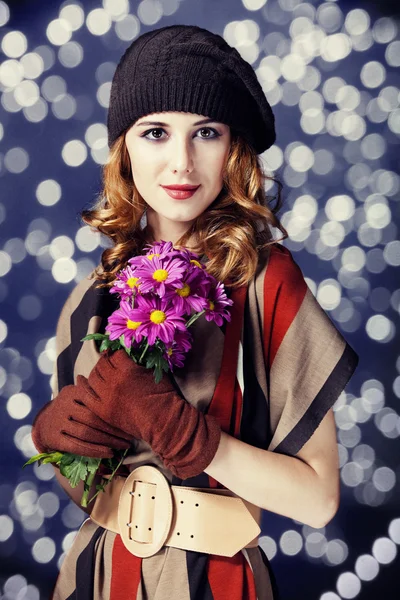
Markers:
{"x": 145, "y": 511}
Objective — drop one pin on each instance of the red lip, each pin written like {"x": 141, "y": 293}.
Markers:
{"x": 182, "y": 187}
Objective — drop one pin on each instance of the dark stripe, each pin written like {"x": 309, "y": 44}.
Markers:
{"x": 199, "y": 587}
{"x": 85, "y": 570}
{"x": 274, "y": 583}
{"x": 95, "y": 302}
{"x": 200, "y": 481}
{"x": 255, "y": 422}
{"x": 322, "y": 402}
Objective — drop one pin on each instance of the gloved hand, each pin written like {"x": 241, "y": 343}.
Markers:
{"x": 66, "y": 424}
{"x": 125, "y": 395}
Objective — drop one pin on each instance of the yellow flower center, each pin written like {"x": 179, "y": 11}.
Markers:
{"x": 132, "y": 281}
{"x": 211, "y": 305}
{"x": 133, "y": 324}
{"x": 196, "y": 262}
{"x": 158, "y": 316}
{"x": 151, "y": 256}
{"x": 160, "y": 275}
{"x": 183, "y": 292}
{"x": 169, "y": 351}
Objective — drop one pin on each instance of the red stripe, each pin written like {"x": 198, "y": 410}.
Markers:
{"x": 126, "y": 571}
{"x": 222, "y": 401}
{"x": 231, "y": 578}
{"x": 236, "y": 411}
{"x": 284, "y": 285}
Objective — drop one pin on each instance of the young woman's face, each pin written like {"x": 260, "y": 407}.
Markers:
{"x": 172, "y": 148}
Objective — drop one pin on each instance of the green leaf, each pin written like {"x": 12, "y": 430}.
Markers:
{"x": 93, "y": 464}
{"x": 35, "y": 458}
{"x": 74, "y": 468}
{"x": 53, "y": 458}
{"x": 157, "y": 374}
{"x": 151, "y": 360}
{"x": 95, "y": 336}
{"x": 104, "y": 345}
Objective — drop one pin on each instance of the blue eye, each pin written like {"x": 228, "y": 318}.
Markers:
{"x": 147, "y": 133}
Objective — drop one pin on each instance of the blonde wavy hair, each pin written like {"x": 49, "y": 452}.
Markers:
{"x": 233, "y": 232}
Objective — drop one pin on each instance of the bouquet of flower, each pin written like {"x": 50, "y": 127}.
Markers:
{"x": 162, "y": 293}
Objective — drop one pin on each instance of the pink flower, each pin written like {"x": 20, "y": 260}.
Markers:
{"x": 161, "y": 249}
{"x": 217, "y": 299}
{"x": 192, "y": 292}
{"x": 123, "y": 322}
{"x": 158, "y": 273}
{"x": 126, "y": 284}
{"x": 175, "y": 350}
{"x": 159, "y": 318}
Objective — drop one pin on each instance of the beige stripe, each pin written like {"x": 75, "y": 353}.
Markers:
{"x": 72, "y": 302}
{"x": 261, "y": 574}
{"x": 306, "y": 357}
{"x": 88, "y": 354}
{"x": 65, "y": 584}
{"x": 164, "y": 576}
{"x": 103, "y": 566}
{"x": 63, "y": 329}
{"x": 198, "y": 377}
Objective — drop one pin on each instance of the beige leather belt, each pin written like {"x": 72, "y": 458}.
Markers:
{"x": 149, "y": 513}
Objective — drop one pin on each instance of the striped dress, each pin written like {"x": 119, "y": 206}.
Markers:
{"x": 269, "y": 376}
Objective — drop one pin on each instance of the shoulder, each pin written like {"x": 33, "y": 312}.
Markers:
{"x": 279, "y": 270}
{"x": 79, "y": 295}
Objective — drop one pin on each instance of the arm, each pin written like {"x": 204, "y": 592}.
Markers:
{"x": 304, "y": 487}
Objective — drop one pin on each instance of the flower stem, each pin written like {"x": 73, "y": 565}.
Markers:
{"x": 87, "y": 484}
{"x": 194, "y": 317}
{"x": 144, "y": 351}
{"x": 107, "y": 481}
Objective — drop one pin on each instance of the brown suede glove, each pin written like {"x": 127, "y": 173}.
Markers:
{"x": 67, "y": 425}
{"x": 125, "y": 395}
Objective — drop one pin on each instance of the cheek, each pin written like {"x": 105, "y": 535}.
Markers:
{"x": 213, "y": 168}
{"x": 143, "y": 166}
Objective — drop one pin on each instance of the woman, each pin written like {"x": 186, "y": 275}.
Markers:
{"x": 250, "y": 415}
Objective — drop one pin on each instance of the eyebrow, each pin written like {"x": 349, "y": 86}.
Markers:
{"x": 161, "y": 124}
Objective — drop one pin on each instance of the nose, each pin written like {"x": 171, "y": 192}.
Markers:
{"x": 181, "y": 158}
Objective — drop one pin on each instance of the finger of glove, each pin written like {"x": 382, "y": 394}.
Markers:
{"x": 86, "y": 416}
{"x": 68, "y": 443}
{"x": 94, "y": 436}
{"x": 38, "y": 426}
{"x": 103, "y": 372}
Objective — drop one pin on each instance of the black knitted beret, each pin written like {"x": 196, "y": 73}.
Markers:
{"x": 190, "y": 69}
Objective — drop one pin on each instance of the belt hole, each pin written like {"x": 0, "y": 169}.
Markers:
{"x": 139, "y": 494}
{"x": 181, "y": 501}
{"x": 152, "y": 497}
{"x": 178, "y": 533}
{"x": 136, "y": 526}
{"x": 191, "y": 536}
{"x": 196, "y": 504}
{"x": 149, "y": 528}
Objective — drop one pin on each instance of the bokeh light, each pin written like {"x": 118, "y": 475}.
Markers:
{"x": 330, "y": 73}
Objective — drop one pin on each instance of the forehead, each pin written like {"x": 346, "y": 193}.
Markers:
{"x": 175, "y": 117}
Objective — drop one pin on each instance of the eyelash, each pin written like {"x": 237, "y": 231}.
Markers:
{"x": 145, "y": 134}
